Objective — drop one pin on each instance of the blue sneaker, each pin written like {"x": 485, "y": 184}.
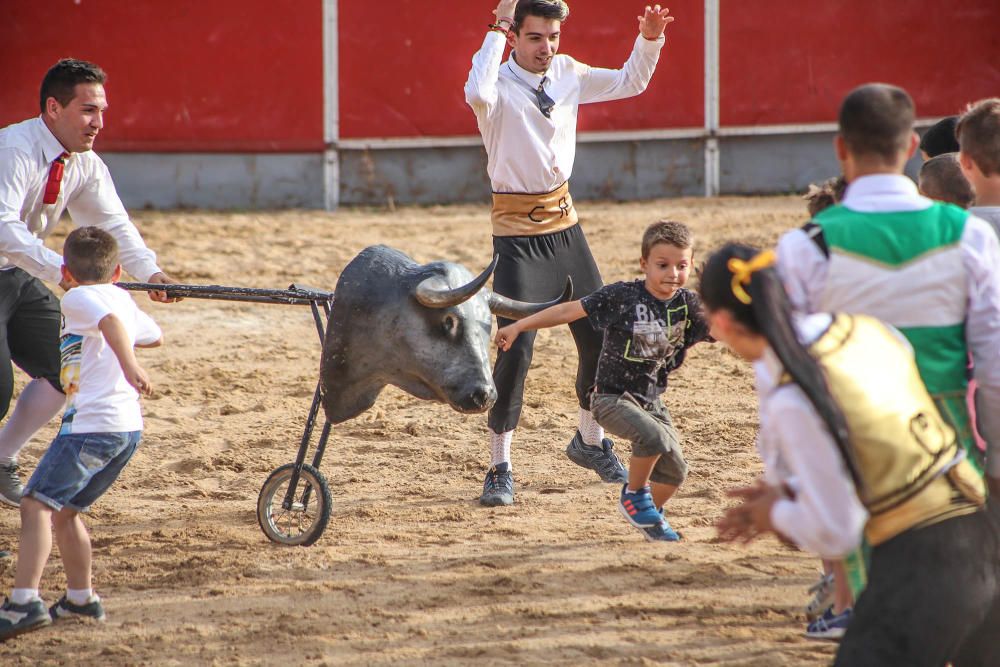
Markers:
{"x": 829, "y": 625}
{"x": 498, "y": 487}
{"x": 661, "y": 532}
{"x": 601, "y": 460}
{"x": 16, "y": 619}
{"x": 637, "y": 507}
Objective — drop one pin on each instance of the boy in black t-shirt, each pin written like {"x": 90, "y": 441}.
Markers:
{"x": 648, "y": 327}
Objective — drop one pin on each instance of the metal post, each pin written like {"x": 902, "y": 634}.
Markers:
{"x": 711, "y": 98}
{"x": 331, "y": 106}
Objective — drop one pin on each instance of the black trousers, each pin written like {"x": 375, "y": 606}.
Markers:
{"x": 933, "y": 596}
{"x": 534, "y": 268}
{"x": 29, "y": 332}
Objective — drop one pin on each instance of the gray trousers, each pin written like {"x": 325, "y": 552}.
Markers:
{"x": 650, "y": 431}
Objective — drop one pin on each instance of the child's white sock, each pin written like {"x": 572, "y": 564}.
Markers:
{"x": 591, "y": 432}
{"x": 500, "y": 447}
{"x": 79, "y": 596}
{"x": 24, "y": 595}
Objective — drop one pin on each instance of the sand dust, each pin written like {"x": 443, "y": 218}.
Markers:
{"x": 411, "y": 570}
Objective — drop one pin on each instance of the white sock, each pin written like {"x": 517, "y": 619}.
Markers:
{"x": 591, "y": 432}
{"x": 500, "y": 447}
{"x": 79, "y": 596}
{"x": 38, "y": 404}
{"x": 24, "y": 595}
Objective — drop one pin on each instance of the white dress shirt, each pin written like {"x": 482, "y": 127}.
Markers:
{"x": 826, "y": 516}
{"x": 803, "y": 269}
{"x": 529, "y": 153}
{"x": 27, "y": 150}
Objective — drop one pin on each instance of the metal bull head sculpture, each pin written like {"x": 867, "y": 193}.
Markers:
{"x": 423, "y": 328}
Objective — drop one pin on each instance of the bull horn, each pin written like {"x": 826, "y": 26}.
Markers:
{"x": 436, "y": 297}
{"x": 516, "y": 310}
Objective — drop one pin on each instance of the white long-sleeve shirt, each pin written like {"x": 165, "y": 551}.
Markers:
{"x": 27, "y": 150}
{"x": 527, "y": 152}
{"x": 826, "y": 516}
{"x": 803, "y": 268}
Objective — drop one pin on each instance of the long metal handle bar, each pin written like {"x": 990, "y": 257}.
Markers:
{"x": 291, "y": 296}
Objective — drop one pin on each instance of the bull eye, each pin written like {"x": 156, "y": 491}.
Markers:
{"x": 450, "y": 324}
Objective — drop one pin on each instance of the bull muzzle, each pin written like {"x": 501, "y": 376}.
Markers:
{"x": 432, "y": 294}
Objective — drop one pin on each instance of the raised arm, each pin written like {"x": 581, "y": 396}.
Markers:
{"x": 481, "y": 91}
{"x": 602, "y": 85}
{"x": 562, "y": 313}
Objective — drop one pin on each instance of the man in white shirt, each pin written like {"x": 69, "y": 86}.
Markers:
{"x": 930, "y": 270}
{"x": 526, "y": 108}
{"x": 47, "y": 165}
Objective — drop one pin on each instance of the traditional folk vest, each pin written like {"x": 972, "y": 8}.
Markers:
{"x": 904, "y": 268}
{"x": 533, "y": 214}
{"x": 913, "y": 470}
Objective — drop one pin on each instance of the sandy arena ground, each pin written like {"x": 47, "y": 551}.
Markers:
{"x": 411, "y": 570}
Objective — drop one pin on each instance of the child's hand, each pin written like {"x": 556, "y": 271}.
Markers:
{"x": 139, "y": 379}
{"x": 506, "y": 336}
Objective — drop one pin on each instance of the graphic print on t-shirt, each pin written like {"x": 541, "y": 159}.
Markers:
{"x": 70, "y": 348}
{"x": 652, "y": 338}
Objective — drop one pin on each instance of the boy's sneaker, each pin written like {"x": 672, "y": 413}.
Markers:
{"x": 829, "y": 625}
{"x": 601, "y": 459}
{"x": 823, "y": 595}
{"x": 661, "y": 532}
{"x": 637, "y": 507}
{"x": 498, "y": 488}
{"x": 10, "y": 485}
{"x": 16, "y": 619}
{"x": 66, "y": 609}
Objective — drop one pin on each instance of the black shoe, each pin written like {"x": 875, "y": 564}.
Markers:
{"x": 498, "y": 489}
{"x": 602, "y": 460}
{"x": 16, "y": 619}
{"x": 66, "y": 609}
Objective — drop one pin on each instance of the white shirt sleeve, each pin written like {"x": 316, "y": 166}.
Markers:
{"x": 826, "y": 516}
{"x": 82, "y": 312}
{"x": 146, "y": 330}
{"x": 602, "y": 85}
{"x": 481, "y": 90}
{"x": 97, "y": 204}
{"x": 803, "y": 270}
{"x": 17, "y": 243}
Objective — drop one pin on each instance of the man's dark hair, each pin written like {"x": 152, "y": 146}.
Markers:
{"x": 940, "y": 138}
{"x": 978, "y": 132}
{"x": 90, "y": 254}
{"x": 670, "y": 232}
{"x": 547, "y": 9}
{"x": 941, "y": 178}
{"x": 60, "y": 81}
{"x": 876, "y": 119}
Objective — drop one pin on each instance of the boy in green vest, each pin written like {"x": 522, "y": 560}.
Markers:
{"x": 931, "y": 270}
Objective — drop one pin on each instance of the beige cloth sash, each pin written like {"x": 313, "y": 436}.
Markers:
{"x": 533, "y": 214}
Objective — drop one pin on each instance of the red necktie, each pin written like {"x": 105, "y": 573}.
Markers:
{"x": 55, "y": 179}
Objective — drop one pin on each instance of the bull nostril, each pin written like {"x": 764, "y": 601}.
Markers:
{"x": 481, "y": 397}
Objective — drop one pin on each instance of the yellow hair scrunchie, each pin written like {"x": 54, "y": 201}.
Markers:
{"x": 743, "y": 271}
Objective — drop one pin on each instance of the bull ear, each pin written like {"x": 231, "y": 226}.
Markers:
{"x": 516, "y": 310}
{"x": 429, "y": 292}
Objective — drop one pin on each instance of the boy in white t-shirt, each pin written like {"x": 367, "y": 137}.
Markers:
{"x": 100, "y": 430}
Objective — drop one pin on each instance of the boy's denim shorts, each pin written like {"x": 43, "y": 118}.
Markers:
{"x": 79, "y": 467}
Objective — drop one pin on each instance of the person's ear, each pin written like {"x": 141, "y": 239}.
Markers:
{"x": 117, "y": 275}
{"x": 914, "y": 145}
{"x": 840, "y": 148}
{"x": 966, "y": 164}
{"x": 52, "y": 107}
{"x": 511, "y": 38}
{"x": 642, "y": 264}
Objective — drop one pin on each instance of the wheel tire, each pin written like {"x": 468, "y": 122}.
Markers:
{"x": 302, "y": 524}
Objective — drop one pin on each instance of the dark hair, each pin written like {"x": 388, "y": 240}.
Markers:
{"x": 941, "y": 178}
{"x": 769, "y": 314}
{"x": 940, "y": 138}
{"x": 826, "y": 194}
{"x": 61, "y": 80}
{"x": 876, "y": 119}
{"x": 90, "y": 254}
{"x": 978, "y": 132}
{"x": 547, "y": 9}
{"x": 676, "y": 234}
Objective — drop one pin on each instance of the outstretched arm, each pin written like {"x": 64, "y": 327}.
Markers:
{"x": 562, "y": 313}
{"x": 114, "y": 333}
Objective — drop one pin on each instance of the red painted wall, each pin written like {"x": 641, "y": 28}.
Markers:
{"x": 183, "y": 75}
{"x": 788, "y": 61}
{"x": 404, "y": 76}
